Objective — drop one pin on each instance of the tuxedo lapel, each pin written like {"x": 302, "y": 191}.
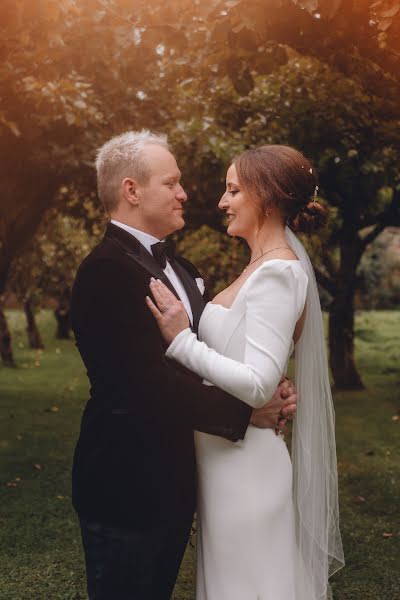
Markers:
{"x": 135, "y": 250}
{"x": 194, "y": 295}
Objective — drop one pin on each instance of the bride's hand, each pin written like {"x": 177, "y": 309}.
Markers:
{"x": 169, "y": 313}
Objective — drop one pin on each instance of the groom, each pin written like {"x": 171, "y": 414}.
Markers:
{"x": 134, "y": 465}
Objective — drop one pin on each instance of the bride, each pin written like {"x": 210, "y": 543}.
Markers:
{"x": 268, "y": 528}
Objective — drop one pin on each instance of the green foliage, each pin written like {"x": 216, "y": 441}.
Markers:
{"x": 41, "y": 405}
{"x": 218, "y": 76}
{"x": 352, "y": 138}
{"x": 218, "y": 257}
{"x": 72, "y": 74}
{"x": 48, "y": 266}
{"x": 379, "y": 272}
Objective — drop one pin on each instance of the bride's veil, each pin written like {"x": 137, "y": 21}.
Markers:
{"x": 315, "y": 484}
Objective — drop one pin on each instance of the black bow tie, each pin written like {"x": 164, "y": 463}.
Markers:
{"x": 163, "y": 250}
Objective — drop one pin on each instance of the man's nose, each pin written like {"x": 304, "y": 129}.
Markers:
{"x": 181, "y": 194}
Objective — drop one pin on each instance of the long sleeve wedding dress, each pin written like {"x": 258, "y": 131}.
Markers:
{"x": 246, "y": 538}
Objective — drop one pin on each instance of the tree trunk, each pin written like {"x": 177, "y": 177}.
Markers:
{"x": 63, "y": 316}
{"x": 5, "y": 342}
{"x": 341, "y": 344}
{"x": 20, "y": 218}
{"x": 34, "y": 337}
{"x": 341, "y": 317}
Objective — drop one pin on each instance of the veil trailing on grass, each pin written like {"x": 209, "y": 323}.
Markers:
{"x": 315, "y": 482}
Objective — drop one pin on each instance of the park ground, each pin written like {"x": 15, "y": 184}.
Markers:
{"x": 40, "y": 406}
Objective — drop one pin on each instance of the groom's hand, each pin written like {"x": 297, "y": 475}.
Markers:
{"x": 278, "y": 410}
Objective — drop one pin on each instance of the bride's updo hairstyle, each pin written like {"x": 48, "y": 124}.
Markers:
{"x": 281, "y": 176}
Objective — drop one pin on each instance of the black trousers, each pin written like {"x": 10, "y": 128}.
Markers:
{"x": 125, "y": 564}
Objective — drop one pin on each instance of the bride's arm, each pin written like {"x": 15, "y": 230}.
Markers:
{"x": 274, "y": 300}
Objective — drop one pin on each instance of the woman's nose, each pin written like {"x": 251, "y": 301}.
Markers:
{"x": 223, "y": 203}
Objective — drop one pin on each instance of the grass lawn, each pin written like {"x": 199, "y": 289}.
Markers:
{"x": 41, "y": 402}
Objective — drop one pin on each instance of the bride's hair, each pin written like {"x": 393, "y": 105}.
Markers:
{"x": 281, "y": 176}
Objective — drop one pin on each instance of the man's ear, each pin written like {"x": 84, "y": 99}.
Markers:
{"x": 130, "y": 191}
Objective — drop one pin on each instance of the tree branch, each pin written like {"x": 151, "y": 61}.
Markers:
{"x": 391, "y": 216}
{"x": 372, "y": 235}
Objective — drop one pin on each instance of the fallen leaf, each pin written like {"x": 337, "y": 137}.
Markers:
{"x": 60, "y": 497}
{"x": 37, "y": 466}
{"x": 11, "y": 484}
{"x": 54, "y": 409}
{"x": 387, "y": 534}
{"x": 396, "y": 418}
{"x": 360, "y": 499}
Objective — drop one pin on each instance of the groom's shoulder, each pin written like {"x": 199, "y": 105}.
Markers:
{"x": 102, "y": 251}
{"x": 105, "y": 257}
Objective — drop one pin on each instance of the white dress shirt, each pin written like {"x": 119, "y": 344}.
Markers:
{"x": 147, "y": 240}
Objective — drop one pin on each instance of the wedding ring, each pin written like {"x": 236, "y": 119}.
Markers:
{"x": 164, "y": 310}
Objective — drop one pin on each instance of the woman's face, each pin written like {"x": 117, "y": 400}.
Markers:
{"x": 243, "y": 215}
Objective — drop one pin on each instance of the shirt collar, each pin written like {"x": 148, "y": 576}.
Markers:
{"x": 144, "y": 238}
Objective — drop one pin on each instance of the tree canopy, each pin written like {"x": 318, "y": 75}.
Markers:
{"x": 218, "y": 76}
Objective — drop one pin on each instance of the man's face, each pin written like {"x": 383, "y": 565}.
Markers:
{"x": 162, "y": 197}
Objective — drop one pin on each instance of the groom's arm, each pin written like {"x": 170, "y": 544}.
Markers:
{"x": 127, "y": 354}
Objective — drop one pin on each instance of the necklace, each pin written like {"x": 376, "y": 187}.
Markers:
{"x": 264, "y": 253}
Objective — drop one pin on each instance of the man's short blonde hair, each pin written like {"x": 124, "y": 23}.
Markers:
{"x": 122, "y": 157}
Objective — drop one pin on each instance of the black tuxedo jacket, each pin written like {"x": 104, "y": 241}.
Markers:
{"x": 134, "y": 461}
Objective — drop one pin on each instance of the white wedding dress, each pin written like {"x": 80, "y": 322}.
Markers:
{"x": 246, "y": 542}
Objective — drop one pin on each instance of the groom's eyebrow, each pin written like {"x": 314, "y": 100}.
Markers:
{"x": 173, "y": 176}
